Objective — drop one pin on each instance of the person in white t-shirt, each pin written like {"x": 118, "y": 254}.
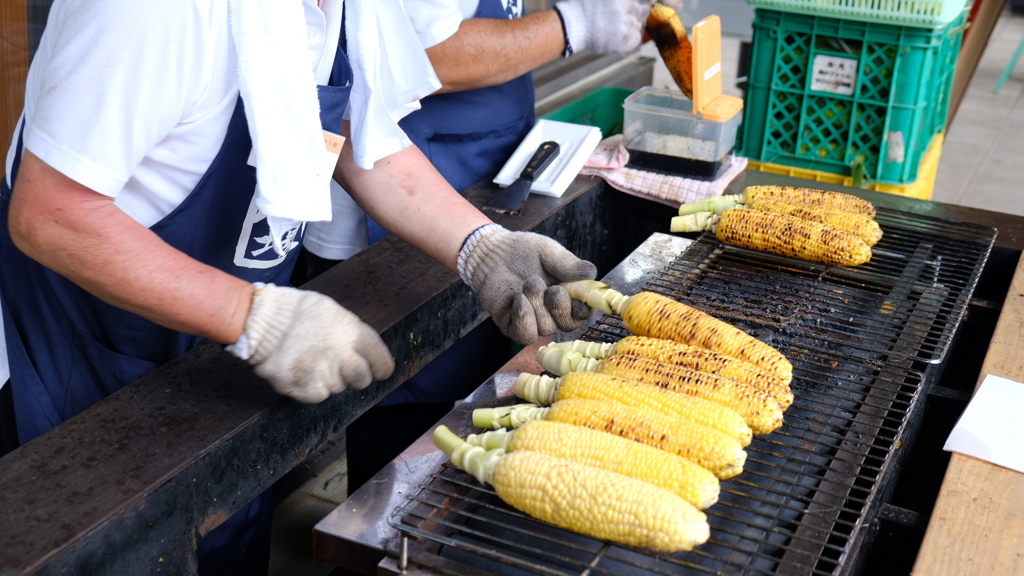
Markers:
{"x": 156, "y": 192}
{"x": 483, "y": 52}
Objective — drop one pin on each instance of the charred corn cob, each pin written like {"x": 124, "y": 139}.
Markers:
{"x": 779, "y": 234}
{"x": 587, "y": 500}
{"x": 545, "y": 390}
{"x": 676, "y": 474}
{"x": 839, "y": 200}
{"x": 751, "y": 194}
{"x": 695, "y": 357}
{"x": 714, "y": 450}
{"x": 859, "y": 225}
{"x": 761, "y": 411}
{"x": 657, "y": 316}
{"x": 669, "y": 35}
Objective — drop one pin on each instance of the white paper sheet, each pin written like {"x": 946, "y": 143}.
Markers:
{"x": 990, "y": 426}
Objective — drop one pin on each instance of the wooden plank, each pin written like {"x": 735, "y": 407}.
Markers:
{"x": 983, "y": 19}
{"x": 13, "y": 66}
{"x": 977, "y": 525}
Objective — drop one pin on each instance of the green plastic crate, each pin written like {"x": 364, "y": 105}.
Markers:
{"x": 601, "y": 108}
{"x": 823, "y": 93}
{"x": 922, "y": 13}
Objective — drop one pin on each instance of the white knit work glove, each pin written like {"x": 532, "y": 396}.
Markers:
{"x": 516, "y": 275}
{"x": 603, "y": 26}
{"x": 308, "y": 346}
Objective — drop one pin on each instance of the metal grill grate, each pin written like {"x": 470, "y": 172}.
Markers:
{"x": 808, "y": 488}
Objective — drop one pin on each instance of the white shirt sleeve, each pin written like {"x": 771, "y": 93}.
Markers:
{"x": 110, "y": 80}
{"x": 434, "y": 20}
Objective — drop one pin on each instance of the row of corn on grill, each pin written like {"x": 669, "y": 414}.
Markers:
{"x": 628, "y": 440}
{"x": 804, "y": 223}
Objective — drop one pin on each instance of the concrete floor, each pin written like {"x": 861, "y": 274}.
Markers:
{"x": 980, "y": 167}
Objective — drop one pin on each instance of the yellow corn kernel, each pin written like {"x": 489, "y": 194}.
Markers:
{"x": 714, "y": 450}
{"x": 598, "y": 503}
{"x": 859, "y": 225}
{"x": 588, "y": 500}
{"x": 758, "y": 408}
{"x": 593, "y": 386}
{"x": 685, "y": 478}
{"x": 704, "y": 360}
{"x": 792, "y": 237}
{"x": 657, "y": 316}
{"x": 847, "y": 202}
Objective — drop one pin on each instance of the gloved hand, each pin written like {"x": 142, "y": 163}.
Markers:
{"x": 309, "y": 347}
{"x": 517, "y": 276}
{"x": 603, "y": 26}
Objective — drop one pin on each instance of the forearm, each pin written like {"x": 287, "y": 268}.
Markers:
{"x": 83, "y": 236}
{"x": 486, "y": 51}
{"x": 406, "y": 195}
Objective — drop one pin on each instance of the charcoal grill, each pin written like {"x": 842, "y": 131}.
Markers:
{"x": 857, "y": 338}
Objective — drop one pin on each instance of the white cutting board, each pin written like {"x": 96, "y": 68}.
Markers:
{"x": 576, "y": 143}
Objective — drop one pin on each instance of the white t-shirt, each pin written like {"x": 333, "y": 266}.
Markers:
{"x": 107, "y": 106}
{"x": 345, "y": 235}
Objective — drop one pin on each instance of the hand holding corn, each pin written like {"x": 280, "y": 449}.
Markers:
{"x": 517, "y": 275}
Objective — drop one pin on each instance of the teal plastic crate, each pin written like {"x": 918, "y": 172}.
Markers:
{"x": 921, "y": 13}
{"x": 601, "y": 108}
{"x": 824, "y": 93}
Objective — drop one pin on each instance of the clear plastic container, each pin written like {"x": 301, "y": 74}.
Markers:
{"x": 660, "y": 127}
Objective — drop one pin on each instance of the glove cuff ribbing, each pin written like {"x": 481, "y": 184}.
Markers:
{"x": 574, "y": 23}
{"x": 467, "y": 249}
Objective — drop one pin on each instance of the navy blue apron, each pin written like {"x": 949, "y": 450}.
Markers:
{"x": 68, "y": 349}
{"x": 469, "y": 135}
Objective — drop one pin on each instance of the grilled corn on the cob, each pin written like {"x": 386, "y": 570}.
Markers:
{"x": 695, "y": 357}
{"x": 839, "y": 200}
{"x": 657, "y": 316}
{"x": 669, "y": 35}
{"x": 714, "y": 450}
{"x": 859, "y": 225}
{"x": 693, "y": 483}
{"x": 761, "y": 411}
{"x": 779, "y": 234}
{"x": 589, "y": 500}
{"x": 545, "y": 390}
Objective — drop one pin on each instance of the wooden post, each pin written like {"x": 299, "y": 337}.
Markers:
{"x": 13, "y": 66}
{"x": 984, "y": 17}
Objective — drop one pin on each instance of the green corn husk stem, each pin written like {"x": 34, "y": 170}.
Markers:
{"x": 560, "y": 362}
{"x": 597, "y": 295}
{"x": 589, "y": 349}
{"x": 475, "y": 460}
{"x": 698, "y": 222}
{"x": 508, "y": 416}
{"x": 716, "y": 205}
{"x": 538, "y": 389}
{"x": 492, "y": 439}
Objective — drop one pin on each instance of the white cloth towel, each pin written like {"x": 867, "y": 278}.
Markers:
{"x": 392, "y": 72}
{"x": 609, "y": 162}
{"x": 278, "y": 88}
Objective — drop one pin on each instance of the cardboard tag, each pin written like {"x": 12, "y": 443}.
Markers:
{"x": 333, "y": 144}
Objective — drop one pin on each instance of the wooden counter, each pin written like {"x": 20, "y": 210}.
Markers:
{"x": 977, "y": 525}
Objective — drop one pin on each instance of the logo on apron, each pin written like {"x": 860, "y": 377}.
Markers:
{"x": 513, "y": 8}
{"x": 255, "y": 247}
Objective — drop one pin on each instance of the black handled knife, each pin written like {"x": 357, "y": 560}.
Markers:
{"x": 511, "y": 199}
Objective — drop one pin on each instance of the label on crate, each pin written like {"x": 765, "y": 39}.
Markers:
{"x": 834, "y": 74}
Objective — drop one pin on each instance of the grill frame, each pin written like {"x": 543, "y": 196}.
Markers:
{"x": 920, "y": 307}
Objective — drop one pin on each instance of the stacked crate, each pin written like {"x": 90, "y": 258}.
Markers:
{"x": 834, "y": 95}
